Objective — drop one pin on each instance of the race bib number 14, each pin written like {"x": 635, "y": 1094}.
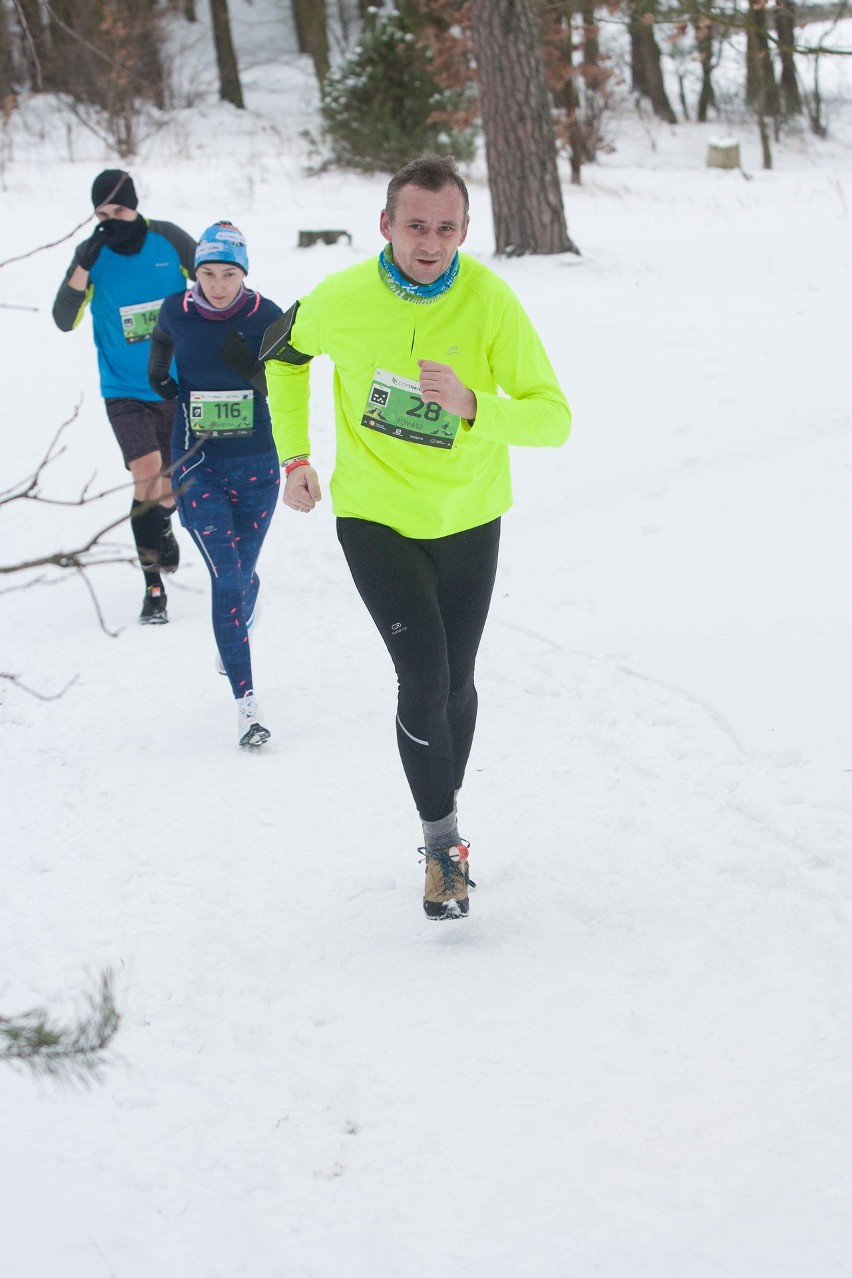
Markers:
{"x": 138, "y": 322}
{"x": 395, "y": 408}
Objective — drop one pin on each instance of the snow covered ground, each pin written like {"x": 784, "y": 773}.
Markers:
{"x": 632, "y": 1060}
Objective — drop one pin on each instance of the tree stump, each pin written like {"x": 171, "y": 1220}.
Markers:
{"x": 307, "y": 238}
{"x": 724, "y": 153}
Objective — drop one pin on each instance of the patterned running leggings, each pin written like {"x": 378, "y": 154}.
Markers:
{"x": 227, "y": 506}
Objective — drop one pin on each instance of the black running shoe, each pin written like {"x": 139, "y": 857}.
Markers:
{"x": 169, "y": 556}
{"x": 154, "y": 607}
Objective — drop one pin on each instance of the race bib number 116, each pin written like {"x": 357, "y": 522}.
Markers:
{"x": 395, "y": 408}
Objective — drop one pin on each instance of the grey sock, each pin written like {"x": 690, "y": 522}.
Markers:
{"x": 441, "y": 834}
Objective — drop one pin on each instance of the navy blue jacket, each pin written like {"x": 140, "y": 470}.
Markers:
{"x": 197, "y": 341}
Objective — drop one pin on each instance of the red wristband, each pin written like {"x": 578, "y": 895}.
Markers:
{"x": 293, "y": 465}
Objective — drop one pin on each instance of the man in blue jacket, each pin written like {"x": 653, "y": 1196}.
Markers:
{"x": 124, "y": 270}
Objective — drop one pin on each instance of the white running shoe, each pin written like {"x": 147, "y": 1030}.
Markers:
{"x": 220, "y": 665}
{"x": 250, "y": 730}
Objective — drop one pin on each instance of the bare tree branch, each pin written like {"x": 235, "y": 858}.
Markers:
{"x": 66, "y": 1054}
{"x": 41, "y": 696}
{"x": 31, "y": 481}
{"x": 113, "y": 634}
{"x": 19, "y": 257}
{"x": 72, "y": 558}
{"x": 28, "y": 490}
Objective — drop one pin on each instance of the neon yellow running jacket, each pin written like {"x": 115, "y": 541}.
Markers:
{"x": 479, "y": 328}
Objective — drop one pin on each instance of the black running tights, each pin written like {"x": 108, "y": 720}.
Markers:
{"x": 429, "y": 600}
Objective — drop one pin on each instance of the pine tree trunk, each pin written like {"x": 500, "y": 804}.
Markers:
{"x": 647, "y": 67}
{"x": 230, "y": 89}
{"x": 311, "y": 22}
{"x": 785, "y": 25}
{"x": 526, "y": 197}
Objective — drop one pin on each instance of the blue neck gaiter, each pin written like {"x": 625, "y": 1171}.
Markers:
{"x": 420, "y": 294}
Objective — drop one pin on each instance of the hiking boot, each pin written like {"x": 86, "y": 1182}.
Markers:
{"x": 154, "y": 607}
{"x": 447, "y": 881}
{"x": 169, "y": 556}
{"x": 250, "y": 730}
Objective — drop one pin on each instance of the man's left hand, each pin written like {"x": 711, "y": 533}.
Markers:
{"x": 440, "y": 384}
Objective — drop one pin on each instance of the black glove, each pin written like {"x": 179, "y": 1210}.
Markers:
{"x": 167, "y": 388}
{"x": 236, "y": 354}
{"x": 87, "y": 254}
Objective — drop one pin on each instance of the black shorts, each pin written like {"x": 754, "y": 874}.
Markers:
{"x": 142, "y": 426}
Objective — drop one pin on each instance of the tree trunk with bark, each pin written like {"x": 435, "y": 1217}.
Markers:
{"x": 704, "y": 48}
{"x": 762, "y": 77}
{"x": 311, "y": 21}
{"x": 645, "y": 57}
{"x": 230, "y": 89}
{"x": 520, "y": 146}
{"x": 7, "y": 84}
{"x": 761, "y": 88}
{"x": 595, "y": 77}
{"x": 34, "y": 40}
{"x": 785, "y": 25}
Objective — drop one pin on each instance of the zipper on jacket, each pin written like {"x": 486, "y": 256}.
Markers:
{"x": 413, "y": 336}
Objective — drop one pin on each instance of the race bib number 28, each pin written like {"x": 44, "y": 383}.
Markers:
{"x": 395, "y": 408}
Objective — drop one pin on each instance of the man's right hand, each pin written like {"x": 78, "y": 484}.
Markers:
{"x": 301, "y": 489}
{"x": 87, "y": 254}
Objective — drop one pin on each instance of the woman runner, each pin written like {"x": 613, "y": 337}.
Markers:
{"x": 226, "y": 473}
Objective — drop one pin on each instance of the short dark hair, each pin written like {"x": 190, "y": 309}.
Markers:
{"x": 433, "y": 173}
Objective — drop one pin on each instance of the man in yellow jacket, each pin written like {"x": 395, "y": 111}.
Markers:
{"x": 423, "y": 342}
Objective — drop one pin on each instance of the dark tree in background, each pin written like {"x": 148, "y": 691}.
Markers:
{"x": 381, "y": 106}
{"x": 704, "y": 49}
{"x": 7, "y": 64}
{"x": 311, "y": 23}
{"x": 785, "y": 25}
{"x": 33, "y": 40}
{"x": 645, "y": 56}
{"x": 520, "y": 145}
{"x": 230, "y": 89}
{"x": 761, "y": 86}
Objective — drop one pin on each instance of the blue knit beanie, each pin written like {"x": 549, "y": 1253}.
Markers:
{"x": 222, "y": 242}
